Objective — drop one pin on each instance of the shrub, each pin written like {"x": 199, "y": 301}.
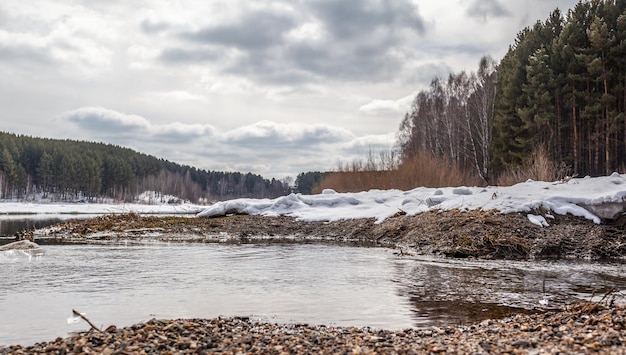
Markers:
{"x": 388, "y": 172}
{"x": 539, "y": 167}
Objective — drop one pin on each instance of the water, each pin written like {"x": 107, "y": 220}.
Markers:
{"x": 316, "y": 284}
{"x": 11, "y": 224}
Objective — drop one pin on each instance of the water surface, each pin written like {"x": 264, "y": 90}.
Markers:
{"x": 313, "y": 283}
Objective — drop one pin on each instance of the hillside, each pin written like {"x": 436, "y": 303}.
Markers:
{"x": 74, "y": 170}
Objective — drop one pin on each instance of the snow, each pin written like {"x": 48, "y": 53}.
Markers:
{"x": 577, "y": 197}
{"x": 538, "y": 220}
{"x": 585, "y": 197}
{"x": 8, "y": 210}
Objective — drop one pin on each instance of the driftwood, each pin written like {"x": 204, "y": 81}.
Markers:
{"x": 77, "y": 314}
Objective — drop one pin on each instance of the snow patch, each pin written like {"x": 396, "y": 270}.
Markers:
{"x": 538, "y": 220}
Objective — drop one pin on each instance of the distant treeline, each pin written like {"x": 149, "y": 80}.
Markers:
{"x": 70, "y": 170}
{"x": 562, "y": 86}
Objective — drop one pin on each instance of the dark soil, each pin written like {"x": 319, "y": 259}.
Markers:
{"x": 454, "y": 233}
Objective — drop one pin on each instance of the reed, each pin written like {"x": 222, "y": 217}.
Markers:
{"x": 388, "y": 172}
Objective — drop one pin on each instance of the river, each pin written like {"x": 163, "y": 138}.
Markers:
{"x": 304, "y": 283}
{"x": 13, "y": 223}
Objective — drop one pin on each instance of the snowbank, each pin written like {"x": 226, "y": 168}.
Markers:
{"x": 9, "y": 209}
{"x": 584, "y": 197}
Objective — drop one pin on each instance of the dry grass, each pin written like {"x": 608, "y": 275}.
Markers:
{"x": 421, "y": 170}
{"x": 538, "y": 167}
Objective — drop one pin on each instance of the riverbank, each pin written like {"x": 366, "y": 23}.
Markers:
{"x": 452, "y": 233}
{"x": 580, "y": 328}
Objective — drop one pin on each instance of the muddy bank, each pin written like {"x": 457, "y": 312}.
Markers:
{"x": 450, "y": 233}
{"x": 581, "y": 328}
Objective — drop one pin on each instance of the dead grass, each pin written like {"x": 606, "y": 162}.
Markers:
{"x": 422, "y": 170}
{"x": 388, "y": 172}
{"x": 538, "y": 167}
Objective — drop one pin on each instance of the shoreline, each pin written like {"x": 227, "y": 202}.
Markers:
{"x": 580, "y": 328}
{"x": 456, "y": 234}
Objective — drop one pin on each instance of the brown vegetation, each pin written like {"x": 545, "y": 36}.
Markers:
{"x": 422, "y": 169}
{"x": 539, "y": 167}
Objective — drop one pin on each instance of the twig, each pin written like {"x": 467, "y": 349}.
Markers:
{"x": 607, "y": 294}
{"x": 86, "y": 320}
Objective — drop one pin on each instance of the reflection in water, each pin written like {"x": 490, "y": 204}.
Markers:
{"x": 458, "y": 312}
{"x": 12, "y": 224}
{"x": 448, "y": 291}
{"x": 319, "y": 284}
{"x": 9, "y": 227}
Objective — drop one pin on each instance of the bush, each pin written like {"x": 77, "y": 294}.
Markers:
{"x": 539, "y": 167}
{"x": 388, "y": 172}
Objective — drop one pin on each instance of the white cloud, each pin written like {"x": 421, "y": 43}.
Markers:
{"x": 373, "y": 140}
{"x": 178, "y": 132}
{"x": 99, "y": 119}
{"x": 47, "y": 33}
{"x": 399, "y": 106}
{"x": 268, "y": 133}
{"x": 174, "y": 96}
{"x": 103, "y": 122}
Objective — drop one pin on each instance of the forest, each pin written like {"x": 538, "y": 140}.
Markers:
{"x": 38, "y": 168}
{"x": 560, "y": 87}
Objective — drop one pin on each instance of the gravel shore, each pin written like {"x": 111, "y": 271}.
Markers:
{"x": 579, "y": 329}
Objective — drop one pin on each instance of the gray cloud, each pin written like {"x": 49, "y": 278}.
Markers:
{"x": 350, "y": 19}
{"x": 484, "y": 9}
{"x": 358, "y": 40}
{"x": 179, "y": 55}
{"x": 22, "y": 48}
{"x": 151, "y": 27}
{"x": 256, "y": 30}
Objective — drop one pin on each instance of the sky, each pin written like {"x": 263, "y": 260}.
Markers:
{"x": 270, "y": 87}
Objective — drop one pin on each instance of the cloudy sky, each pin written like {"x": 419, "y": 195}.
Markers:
{"x": 275, "y": 87}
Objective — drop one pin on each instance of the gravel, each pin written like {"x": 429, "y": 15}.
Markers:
{"x": 580, "y": 328}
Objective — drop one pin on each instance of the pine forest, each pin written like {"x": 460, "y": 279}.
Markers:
{"x": 561, "y": 86}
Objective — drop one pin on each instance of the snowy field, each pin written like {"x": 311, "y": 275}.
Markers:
{"x": 591, "y": 198}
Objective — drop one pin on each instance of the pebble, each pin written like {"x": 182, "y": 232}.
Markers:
{"x": 546, "y": 333}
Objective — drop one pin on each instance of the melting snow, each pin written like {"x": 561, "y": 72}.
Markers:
{"x": 577, "y": 197}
